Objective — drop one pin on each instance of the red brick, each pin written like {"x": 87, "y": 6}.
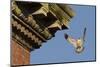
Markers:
{"x": 19, "y": 55}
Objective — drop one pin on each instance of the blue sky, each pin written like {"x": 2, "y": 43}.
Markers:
{"x": 59, "y": 50}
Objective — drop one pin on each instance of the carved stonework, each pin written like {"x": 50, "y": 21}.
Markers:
{"x": 35, "y": 23}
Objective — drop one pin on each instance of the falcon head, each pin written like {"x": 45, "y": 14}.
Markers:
{"x": 79, "y": 49}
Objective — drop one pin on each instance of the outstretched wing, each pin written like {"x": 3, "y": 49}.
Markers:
{"x": 71, "y": 40}
{"x": 84, "y": 34}
{"x": 66, "y": 36}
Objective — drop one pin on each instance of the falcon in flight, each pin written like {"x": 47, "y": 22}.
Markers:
{"x": 77, "y": 43}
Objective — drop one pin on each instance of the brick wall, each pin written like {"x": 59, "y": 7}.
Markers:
{"x": 19, "y": 55}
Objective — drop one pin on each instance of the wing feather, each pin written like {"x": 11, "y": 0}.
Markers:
{"x": 71, "y": 40}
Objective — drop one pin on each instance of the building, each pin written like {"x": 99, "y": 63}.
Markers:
{"x": 35, "y": 23}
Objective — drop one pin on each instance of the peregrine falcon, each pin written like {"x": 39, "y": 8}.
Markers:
{"x": 77, "y": 43}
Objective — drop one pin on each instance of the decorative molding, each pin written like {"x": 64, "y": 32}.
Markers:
{"x": 33, "y": 29}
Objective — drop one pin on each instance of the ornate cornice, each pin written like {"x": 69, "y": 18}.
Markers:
{"x": 33, "y": 29}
